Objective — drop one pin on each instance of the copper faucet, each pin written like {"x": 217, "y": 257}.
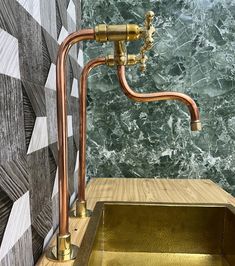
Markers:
{"x": 102, "y": 33}
{"x": 160, "y": 96}
{"x": 81, "y": 209}
{"x": 64, "y": 250}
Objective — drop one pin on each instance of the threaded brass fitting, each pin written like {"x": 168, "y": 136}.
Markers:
{"x": 196, "y": 125}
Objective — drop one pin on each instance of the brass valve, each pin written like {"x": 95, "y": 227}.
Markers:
{"x": 109, "y": 33}
{"x": 119, "y": 34}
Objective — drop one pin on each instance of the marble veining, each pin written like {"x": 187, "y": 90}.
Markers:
{"x": 193, "y": 53}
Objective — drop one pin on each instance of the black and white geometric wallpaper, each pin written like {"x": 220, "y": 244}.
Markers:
{"x": 30, "y": 34}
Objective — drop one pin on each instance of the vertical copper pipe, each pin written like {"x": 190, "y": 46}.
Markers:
{"x": 82, "y": 124}
{"x": 159, "y": 96}
{"x": 86, "y": 34}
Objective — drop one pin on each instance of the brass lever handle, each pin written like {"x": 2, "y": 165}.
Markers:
{"x": 147, "y": 34}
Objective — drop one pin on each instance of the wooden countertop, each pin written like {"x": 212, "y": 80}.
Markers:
{"x": 142, "y": 190}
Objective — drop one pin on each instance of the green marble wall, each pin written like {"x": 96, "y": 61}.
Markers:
{"x": 194, "y": 54}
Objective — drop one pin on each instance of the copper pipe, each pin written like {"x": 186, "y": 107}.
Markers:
{"x": 86, "y": 34}
{"x": 159, "y": 96}
{"x": 82, "y": 123}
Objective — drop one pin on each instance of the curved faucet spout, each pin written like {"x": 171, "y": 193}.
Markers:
{"x": 160, "y": 96}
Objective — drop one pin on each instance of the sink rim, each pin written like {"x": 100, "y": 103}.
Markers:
{"x": 93, "y": 225}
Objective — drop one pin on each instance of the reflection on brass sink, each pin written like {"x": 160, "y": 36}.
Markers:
{"x": 137, "y": 234}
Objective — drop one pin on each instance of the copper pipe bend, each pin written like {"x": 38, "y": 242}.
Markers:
{"x": 160, "y": 96}
{"x": 86, "y": 34}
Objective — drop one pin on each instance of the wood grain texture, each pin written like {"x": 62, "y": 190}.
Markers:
{"x": 75, "y": 117}
{"x": 51, "y": 115}
{"x": 32, "y": 62}
{"x": 14, "y": 177}
{"x": 18, "y": 222}
{"x": 32, "y": 7}
{"x": 39, "y": 182}
{"x": 52, "y": 168}
{"x": 76, "y": 68}
{"x": 37, "y": 244}
{"x": 5, "y": 209}
{"x": 50, "y": 44}
{"x": 58, "y": 20}
{"x": 143, "y": 190}
{"x": 36, "y": 96}
{"x": 43, "y": 222}
{"x": 8, "y": 15}
{"x": 48, "y": 17}
{"x": 78, "y": 16}
{"x": 22, "y": 246}
{"x": 39, "y": 138}
{"x": 61, "y": 10}
{"x": 9, "y": 55}
{"x": 12, "y": 136}
{"x": 72, "y": 155}
{"x": 29, "y": 117}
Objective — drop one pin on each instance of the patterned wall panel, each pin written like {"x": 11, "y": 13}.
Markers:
{"x": 30, "y": 34}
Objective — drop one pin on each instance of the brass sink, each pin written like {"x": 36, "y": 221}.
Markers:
{"x": 139, "y": 234}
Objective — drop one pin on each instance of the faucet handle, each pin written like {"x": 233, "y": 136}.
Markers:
{"x": 147, "y": 34}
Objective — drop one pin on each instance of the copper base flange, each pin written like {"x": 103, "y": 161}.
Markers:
{"x": 51, "y": 254}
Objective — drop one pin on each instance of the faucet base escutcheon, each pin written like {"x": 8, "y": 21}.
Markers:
{"x": 64, "y": 251}
{"x": 81, "y": 210}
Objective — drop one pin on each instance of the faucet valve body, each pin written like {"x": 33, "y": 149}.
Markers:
{"x": 130, "y": 60}
{"x": 119, "y": 34}
{"x": 112, "y": 33}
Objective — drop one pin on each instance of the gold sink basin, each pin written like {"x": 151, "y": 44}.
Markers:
{"x": 139, "y": 234}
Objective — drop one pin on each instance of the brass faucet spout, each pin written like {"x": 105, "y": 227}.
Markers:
{"x": 160, "y": 96}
